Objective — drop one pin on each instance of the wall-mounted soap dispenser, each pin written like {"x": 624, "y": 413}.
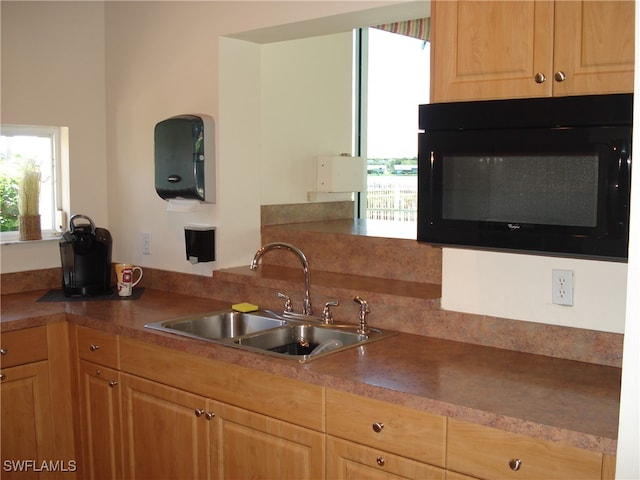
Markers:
{"x": 200, "y": 243}
{"x": 184, "y": 158}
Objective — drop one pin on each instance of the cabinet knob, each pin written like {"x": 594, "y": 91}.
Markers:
{"x": 199, "y": 412}
{"x": 2, "y": 376}
{"x": 3, "y": 351}
{"x": 539, "y": 77}
{"x": 93, "y": 347}
{"x": 380, "y": 461}
{"x": 209, "y": 415}
{"x": 113, "y": 383}
{"x": 559, "y": 76}
{"x": 515, "y": 464}
{"x": 377, "y": 427}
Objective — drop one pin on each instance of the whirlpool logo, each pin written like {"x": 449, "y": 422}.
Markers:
{"x": 513, "y": 226}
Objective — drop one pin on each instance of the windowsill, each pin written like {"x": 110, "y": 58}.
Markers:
{"x": 45, "y": 238}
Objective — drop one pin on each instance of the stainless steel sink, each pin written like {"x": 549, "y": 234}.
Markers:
{"x": 302, "y": 338}
{"x": 219, "y": 325}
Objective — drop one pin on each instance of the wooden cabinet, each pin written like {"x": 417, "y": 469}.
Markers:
{"x": 99, "y": 404}
{"x": 535, "y": 48}
{"x": 382, "y": 439}
{"x": 489, "y": 453}
{"x": 178, "y": 421}
{"x": 166, "y": 432}
{"x": 35, "y": 384}
{"x": 349, "y": 460}
{"x": 26, "y": 413}
{"x": 98, "y": 347}
{"x": 249, "y": 445}
{"x": 99, "y": 387}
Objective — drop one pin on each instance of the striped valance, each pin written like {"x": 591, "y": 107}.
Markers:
{"x": 418, "y": 28}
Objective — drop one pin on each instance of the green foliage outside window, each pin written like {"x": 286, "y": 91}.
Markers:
{"x": 8, "y": 203}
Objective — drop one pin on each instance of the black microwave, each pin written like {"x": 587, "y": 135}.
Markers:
{"x": 540, "y": 175}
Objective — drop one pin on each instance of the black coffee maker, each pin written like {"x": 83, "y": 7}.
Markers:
{"x": 85, "y": 252}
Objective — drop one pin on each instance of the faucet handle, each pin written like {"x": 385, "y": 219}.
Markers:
{"x": 327, "y": 315}
{"x": 288, "y": 305}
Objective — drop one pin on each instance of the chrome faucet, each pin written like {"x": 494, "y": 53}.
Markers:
{"x": 306, "y": 305}
{"x": 363, "y": 327}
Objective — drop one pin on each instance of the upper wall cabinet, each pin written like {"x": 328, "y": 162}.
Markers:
{"x": 512, "y": 49}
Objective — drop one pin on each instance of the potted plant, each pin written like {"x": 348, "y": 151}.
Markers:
{"x": 29, "y": 203}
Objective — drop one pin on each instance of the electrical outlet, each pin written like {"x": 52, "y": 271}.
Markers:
{"x": 146, "y": 243}
{"x": 562, "y": 287}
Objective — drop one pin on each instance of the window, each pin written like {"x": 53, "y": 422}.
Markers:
{"x": 19, "y": 147}
{"x": 394, "y": 81}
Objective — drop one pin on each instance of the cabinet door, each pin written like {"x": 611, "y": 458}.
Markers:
{"x": 165, "y": 432}
{"x": 101, "y": 428}
{"x": 484, "y": 50}
{"x": 348, "y": 460}
{"x": 249, "y": 445}
{"x": 26, "y": 419}
{"x": 594, "y": 46}
{"x": 494, "y": 454}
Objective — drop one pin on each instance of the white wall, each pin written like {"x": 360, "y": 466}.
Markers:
{"x": 166, "y": 58}
{"x": 307, "y": 100}
{"x": 519, "y": 287}
{"x": 53, "y": 73}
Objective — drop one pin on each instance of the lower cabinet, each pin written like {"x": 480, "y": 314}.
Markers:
{"x": 170, "y": 433}
{"x": 368, "y": 438}
{"x": 349, "y": 460}
{"x": 248, "y": 445}
{"x": 165, "y": 431}
{"x": 100, "y": 389}
{"x": 489, "y": 453}
{"x": 25, "y": 407}
{"x": 35, "y": 404}
{"x": 152, "y": 412}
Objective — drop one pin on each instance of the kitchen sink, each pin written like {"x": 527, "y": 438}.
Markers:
{"x": 301, "y": 338}
{"x": 219, "y": 325}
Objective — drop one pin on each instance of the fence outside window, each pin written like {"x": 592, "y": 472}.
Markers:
{"x": 392, "y": 197}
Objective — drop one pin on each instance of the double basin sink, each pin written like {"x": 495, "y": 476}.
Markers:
{"x": 294, "y": 337}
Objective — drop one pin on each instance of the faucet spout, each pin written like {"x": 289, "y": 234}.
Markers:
{"x": 306, "y": 305}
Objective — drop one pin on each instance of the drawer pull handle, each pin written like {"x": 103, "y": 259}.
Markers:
{"x": 380, "y": 461}
{"x": 199, "y": 412}
{"x": 3, "y": 351}
{"x": 515, "y": 464}
{"x": 209, "y": 415}
{"x": 377, "y": 427}
{"x": 93, "y": 347}
{"x": 2, "y": 376}
{"x": 113, "y": 383}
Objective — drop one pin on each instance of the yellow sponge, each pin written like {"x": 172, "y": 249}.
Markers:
{"x": 244, "y": 307}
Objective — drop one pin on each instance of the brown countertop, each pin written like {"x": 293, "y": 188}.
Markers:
{"x": 564, "y": 401}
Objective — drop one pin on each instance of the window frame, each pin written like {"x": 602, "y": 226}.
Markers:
{"x": 55, "y": 134}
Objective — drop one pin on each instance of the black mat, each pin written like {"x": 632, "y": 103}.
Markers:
{"x": 58, "y": 296}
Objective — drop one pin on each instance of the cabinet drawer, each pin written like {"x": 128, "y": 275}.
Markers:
{"x": 490, "y": 453}
{"x": 392, "y": 428}
{"x": 98, "y": 347}
{"x": 346, "y": 460}
{"x": 23, "y": 346}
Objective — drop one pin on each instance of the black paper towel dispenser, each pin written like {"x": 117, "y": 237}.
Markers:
{"x": 184, "y": 158}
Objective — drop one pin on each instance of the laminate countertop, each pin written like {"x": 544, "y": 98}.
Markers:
{"x": 563, "y": 401}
